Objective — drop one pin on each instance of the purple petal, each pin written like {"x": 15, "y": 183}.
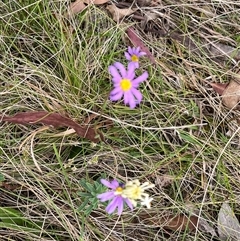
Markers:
{"x": 133, "y": 50}
{"x": 128, "y": 56}
{"x": 132, "y": 101}
{"x": 117, "y": 85}
{"x": 130, "y": 50}
{"x": 129, "y": 99}
{"x": 115, "y": 91}
{"x": 126, "y": 97}
{"x": 106, "y": 196}
{"x": 121, "y": 68}
{"x": 136, "y": 50}
{"x": 116, "y": 80}
{"x": 114, "y": 204}
{"x": 116, "y": 97}
{"x": 129, "y": 203}
{"x": 136, "y": 65}
{"x": 131, "y": 71}
{"x": 140, "y": 79}
{"x": 115, "y": 184}
{"x": 114, "y": 72}
{"x": 137, "y": 94}
{"x": 108, "y": 184}
{"x": 120, "y": 207}
{"x": 131, "y": 76}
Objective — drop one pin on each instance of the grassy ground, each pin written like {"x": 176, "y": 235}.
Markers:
{"x": 180, "y": 138}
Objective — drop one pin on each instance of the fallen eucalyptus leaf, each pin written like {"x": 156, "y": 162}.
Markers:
{"x": 231, "y": 95}
{"x": 178, "y": 222}
{"x": 204, "y": 226}
{"x": 118, "y": 13}
{"x": 224, "y": 51}
{"x": 219, "y": 87}
{"x": 53, "y": 119}
{"x": 228, "y": 225}
{"x": 75, "y": 7}
{"x": 96, "y": 2}
{"x": 79, "y": 5}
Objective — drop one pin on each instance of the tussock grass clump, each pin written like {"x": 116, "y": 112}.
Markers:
{"x": 180, "y": 137}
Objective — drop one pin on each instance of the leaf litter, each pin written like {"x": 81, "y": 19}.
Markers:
{"x": 173, "y": 222}
{"x": 79, "y": 5}
{"x": 55, "y": 120}
{"x": 76, "y": 7}
{"x": 219, "y": 87}
{"x": 178, "y": 222}
{"x": 228, "y": 224}
{"x": 117, "y": 13}
{"x": 230, "y": 93}
{"x": 218, "y": 51}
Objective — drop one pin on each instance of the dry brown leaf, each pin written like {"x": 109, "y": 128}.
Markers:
{"x": 138, "y": 43}
{"x": 178, "y": 222}
{"x": 228, "y": 224}
{"x": 219, "y": 87}
{"x": 76, "y": 7}
{"x": 79, "y": 5}
{"x": 231, "y": 95}
{"x": 224, "y": 51}
{"x": 96, "y": 2}
{"x": 52, "y": 119}
{"x": 9, "y": 186}
{"x": 142, "y": 3}
{"x": 118, "y": 13}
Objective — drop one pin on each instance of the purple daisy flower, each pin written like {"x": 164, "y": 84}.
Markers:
{"x": 125, "y": 84}
{"x": 133, "y": 55}
{"x": 114, "y": 194}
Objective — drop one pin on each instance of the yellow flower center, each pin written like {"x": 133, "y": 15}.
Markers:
{"x": 118, "y": 190}
{"x": 134, "y": 58}
{"x": 125, "y": 84}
